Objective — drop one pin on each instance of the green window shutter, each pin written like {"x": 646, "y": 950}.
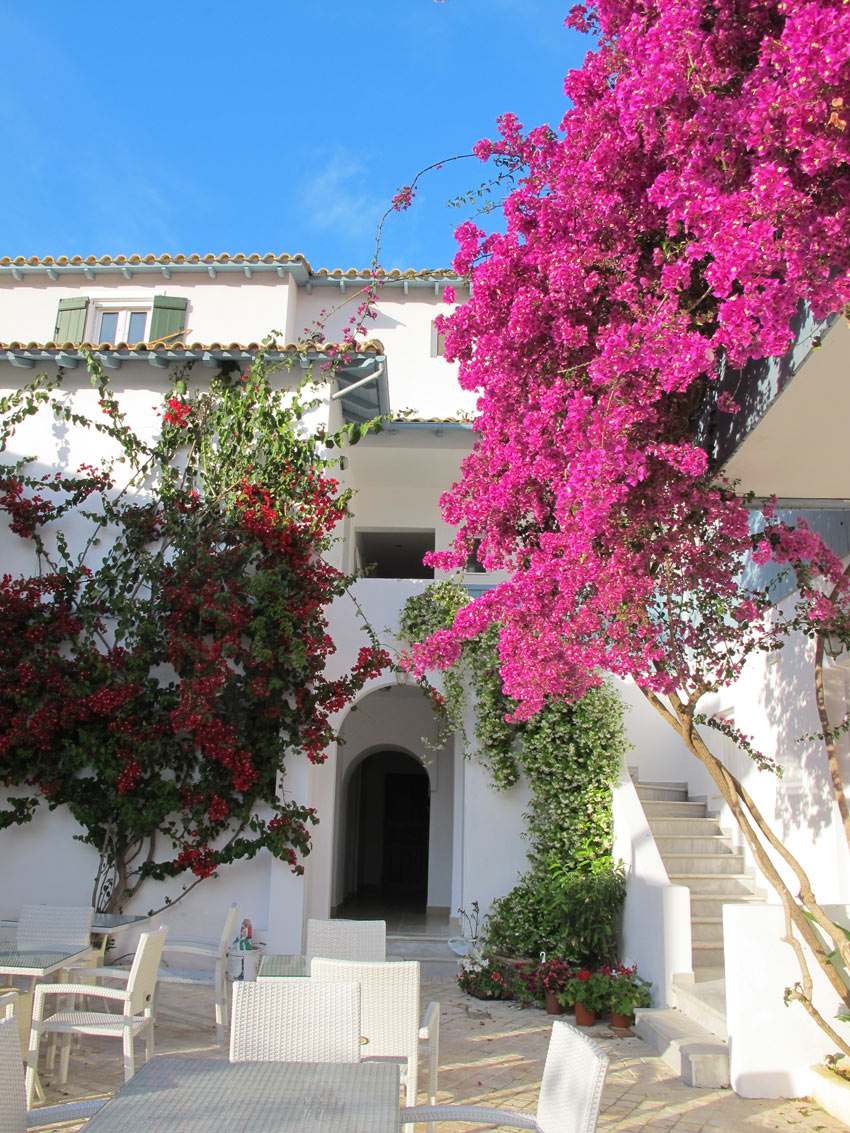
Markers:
{"x": 168, "y": 318}
{"x": 71, "y": 319}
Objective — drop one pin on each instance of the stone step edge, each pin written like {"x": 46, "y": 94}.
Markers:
{"x": 696, "y": 1002}
{"x": 418, "y": 938}
{"x": 700, "y": 1058}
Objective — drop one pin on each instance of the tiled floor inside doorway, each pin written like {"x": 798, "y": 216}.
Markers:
{"x": 403, "y": 917}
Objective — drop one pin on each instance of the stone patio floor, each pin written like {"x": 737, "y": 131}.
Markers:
{"x": 490, "y": 1054}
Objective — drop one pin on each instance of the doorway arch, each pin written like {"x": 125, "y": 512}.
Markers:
{"x": 387, "y": 831}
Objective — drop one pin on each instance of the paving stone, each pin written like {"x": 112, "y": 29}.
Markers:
{"x": 490, "y": 1053}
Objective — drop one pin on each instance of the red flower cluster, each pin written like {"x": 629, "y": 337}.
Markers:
{"x": 177, "y": 413}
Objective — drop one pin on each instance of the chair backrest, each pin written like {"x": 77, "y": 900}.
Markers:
{"x": 347, "y": 940}
{"x": 229, "y": 929}
{"x": 389, "y": 1004}
{"x": 573, "y": 1077}
{"x": 13, "y": 1097}
{"x": 295, "y": 1021}
{"x": 53, "y": 928}
{"x": 141, "y": 983}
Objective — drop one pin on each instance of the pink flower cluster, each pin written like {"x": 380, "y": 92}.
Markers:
{"x": 698, "y": 189}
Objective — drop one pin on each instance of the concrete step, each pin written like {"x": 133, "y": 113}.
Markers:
{"x": 707, "y": 954}
{"x": 704, "y": 1002}
{"x": 435, "y": 957}
{"x": 693, "y": 827}
{"x": 675, "y": 845}
{"x": 662, "y": 792}
{"x": 711, "y": 907}
{"x": 690, "y": 1050}
{"x": 673, "y": 808}
{"x": 714, "y": 884}
{"x": 705, "y": 929}
{"x": 702, "y": 865}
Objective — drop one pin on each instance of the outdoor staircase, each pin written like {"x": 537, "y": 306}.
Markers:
{"x": 435, "y": 957}
{"x": 691, "y": 1037}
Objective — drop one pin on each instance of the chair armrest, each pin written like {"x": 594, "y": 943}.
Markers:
{"x": 430, "y": 1016}
{"x": 72, "y": 1111}
{"x": 171, "y": 941}
{"x": 43, "y": 990}
{"x": 201, "y": 948}
{"x": 109, "y": 973}
{"x": 409, "y": 1115}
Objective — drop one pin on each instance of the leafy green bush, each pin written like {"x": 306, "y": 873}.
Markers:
{"x": 574, "y": 915}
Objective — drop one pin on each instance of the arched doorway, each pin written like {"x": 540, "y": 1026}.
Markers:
{"x": 386, "y": 835}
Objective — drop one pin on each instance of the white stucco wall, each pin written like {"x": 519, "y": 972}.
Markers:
{"x": 771, "y": 1046}
{"x": 226, "y": 309}
{"x": 773, "y": 702}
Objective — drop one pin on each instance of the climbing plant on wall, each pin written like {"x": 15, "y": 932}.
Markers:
{"x": 166, "y": 651}
{"x": 570, "y": 755}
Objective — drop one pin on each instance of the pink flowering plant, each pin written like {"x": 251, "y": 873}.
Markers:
{"x": 628, "y": 990}
{"x": 554, "y": 973}
{"x": 696, "y": 192}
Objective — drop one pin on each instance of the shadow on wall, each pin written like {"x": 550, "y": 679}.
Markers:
{"x": 804, "y": 798}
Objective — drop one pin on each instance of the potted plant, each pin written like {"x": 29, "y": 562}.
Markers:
{"x": 627, "y": 991}
{"x": 589, "y": 992}
{"x": 553, "y": 976}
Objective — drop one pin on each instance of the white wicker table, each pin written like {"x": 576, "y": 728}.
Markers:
{"x": 37, "y": 965}
{"x": 193, "y": 1095}
{"x": 273, "y": 967}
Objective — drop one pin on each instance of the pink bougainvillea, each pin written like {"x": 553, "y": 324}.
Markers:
{"x": 697, "y": 189}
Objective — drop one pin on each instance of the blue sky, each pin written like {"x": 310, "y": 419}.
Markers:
{"x": 262, "y": 127}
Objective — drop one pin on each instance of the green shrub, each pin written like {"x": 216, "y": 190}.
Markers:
{"x": 574, "y": 915}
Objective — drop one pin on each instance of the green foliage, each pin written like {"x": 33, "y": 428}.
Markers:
{"x": 568, "y": 904}
{"x": 167, "y": 648}
{"x": 569, "y": 914}
{"x": 571, "y": 755}
{"x": 628, "y": 991}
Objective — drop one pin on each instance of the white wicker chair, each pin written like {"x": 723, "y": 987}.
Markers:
{"x": 295, "y": 1021}
{"x": 14, "y": 1116}
{"x": 136, "y": 1000}
{"x": 570, "y": 1092}
{"x": 389, "y": 1006}
{"x": 216, "y": 978}
{"x": 53, "y": 928}
{"x": 346, "y": 940}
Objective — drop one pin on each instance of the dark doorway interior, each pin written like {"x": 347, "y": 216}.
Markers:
{"x": 387, "y": 839}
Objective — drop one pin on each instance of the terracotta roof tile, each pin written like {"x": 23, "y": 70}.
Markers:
{"x": 223, "y": 259}
{"x": 327, "y": 349}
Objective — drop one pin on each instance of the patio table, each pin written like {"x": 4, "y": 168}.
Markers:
{"x": 173, "y": 1094}
{"x": 276, "y": 967}
{"x": 111, "y": 923}
{"x": 37, "y": 965}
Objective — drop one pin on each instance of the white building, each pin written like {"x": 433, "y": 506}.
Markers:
{"x": 396, "y": 817}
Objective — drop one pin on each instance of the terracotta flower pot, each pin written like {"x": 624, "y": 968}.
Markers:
{"x": 584, "y": 1018}
{"x": 622, "y": 1021}
{"x": 553, "y": 1007}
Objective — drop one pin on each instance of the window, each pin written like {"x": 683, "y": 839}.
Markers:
{"x": 394, "y": 553}
{"x": 120, "y": 324}
{"x": 438, "y": 342}
{"x": 162, "y": 318}
{"x": 473, "y": 566}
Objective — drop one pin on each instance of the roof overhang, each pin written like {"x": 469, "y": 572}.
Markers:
{"x": 350, "y": 364}
{"x": 71, "y": 268}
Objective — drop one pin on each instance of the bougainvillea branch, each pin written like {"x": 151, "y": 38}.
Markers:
{"x": 695, "y": 194}
{"x": 160, "y": 663}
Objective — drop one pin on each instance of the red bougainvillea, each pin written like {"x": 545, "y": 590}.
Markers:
{"x": 168, "y": 650}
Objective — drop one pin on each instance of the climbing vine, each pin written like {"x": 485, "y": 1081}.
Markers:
{"x": 166, "y": 652}
{"x": 570, "y": 753}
